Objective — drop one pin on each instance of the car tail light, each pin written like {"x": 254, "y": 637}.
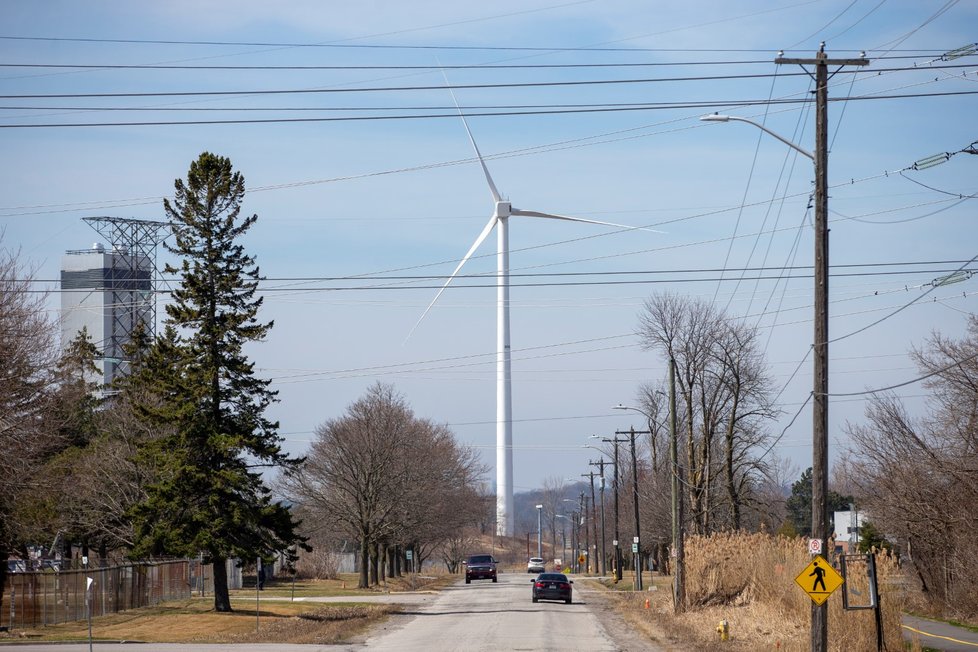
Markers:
{"x": 540, "y": 585}
{"x": 564, "y": 585}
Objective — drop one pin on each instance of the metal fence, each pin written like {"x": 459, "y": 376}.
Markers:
{"x": 49, "y": 597}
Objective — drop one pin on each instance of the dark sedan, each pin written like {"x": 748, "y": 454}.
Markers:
{"x": 552, "y": 586}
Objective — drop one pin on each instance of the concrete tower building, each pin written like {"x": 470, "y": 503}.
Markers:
{"x": 109, "y": 290}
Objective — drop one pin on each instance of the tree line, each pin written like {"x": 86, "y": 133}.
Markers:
{"x": 169, "y": 460}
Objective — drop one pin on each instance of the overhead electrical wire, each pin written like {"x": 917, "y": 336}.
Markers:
{"x": 550, "y": 284}
{"x": 430, "y": 67}
{"x": 696, "y": 270}
{"x": 163, "y": 123}
{"x": 508, "y": 85}
{"x": 56, "y": 39}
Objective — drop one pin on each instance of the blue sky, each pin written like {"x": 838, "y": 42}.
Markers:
{"x": 346, "y": 198}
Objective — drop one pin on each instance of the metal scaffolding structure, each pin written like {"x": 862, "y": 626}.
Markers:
{"x": 133, "y": 294}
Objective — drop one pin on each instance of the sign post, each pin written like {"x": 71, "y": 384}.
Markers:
{"x": 88, "y": 608}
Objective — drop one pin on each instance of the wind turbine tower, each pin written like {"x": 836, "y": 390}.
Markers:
{"x": 502, "y": 211}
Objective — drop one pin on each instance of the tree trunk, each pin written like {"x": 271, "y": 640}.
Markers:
{"x": 398, "y": 558}
{"x": 4, "y": 555}
{"x": 222, "y": 599}
{"x": 728, "y": 464}
{"x": 372, "y": 551}
{"x": 391, "y": 554}
{"x": 364, "y": 561}
{"x": 381, "y": 562}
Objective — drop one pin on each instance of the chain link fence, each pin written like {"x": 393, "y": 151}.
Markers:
{"x": 48, "y": 597}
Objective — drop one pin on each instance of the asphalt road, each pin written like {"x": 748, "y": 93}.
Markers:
{"x": 470, "y": 617}
{"x": 939, "y": 636}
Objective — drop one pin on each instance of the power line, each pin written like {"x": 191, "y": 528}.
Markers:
{"x": 694, "y": 270}
{"x": 374, "y": 89}
{"x": 495, "y": 284}
{"x": 161, "y": 123}
{"x": 273, "y": 44}
{"x": 434, "y": 68}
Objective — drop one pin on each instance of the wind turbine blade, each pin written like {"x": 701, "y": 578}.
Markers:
{"x": 520, "y": 211}
{"x": 475, "y": 245}
{"x": 492, "y": 186}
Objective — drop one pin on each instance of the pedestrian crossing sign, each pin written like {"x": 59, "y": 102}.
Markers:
{"x": 819, "y": 580}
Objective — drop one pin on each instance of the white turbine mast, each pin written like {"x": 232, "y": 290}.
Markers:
{"x": 503, "y": 210}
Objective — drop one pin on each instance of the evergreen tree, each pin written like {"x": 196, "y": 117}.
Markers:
{"x": 871, "y": 538}
{"x": 799, "y": 504}
{"x": 209, "y": 497}
{"x": 76, "y": 397}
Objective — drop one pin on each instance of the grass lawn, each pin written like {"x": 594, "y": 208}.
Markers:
{"x": 279, "y": 619}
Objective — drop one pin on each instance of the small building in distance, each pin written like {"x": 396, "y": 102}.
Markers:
{"x": 846, "y": 530}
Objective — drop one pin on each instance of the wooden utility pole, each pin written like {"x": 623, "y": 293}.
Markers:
{"x": 820, "y": 353}
{"x": 604, "y": 556}
{"x": 594, "y": 524}
{"x": 617, "y": 540}
{"x": 637, "y": 556}
{"x": 679, "y": 569}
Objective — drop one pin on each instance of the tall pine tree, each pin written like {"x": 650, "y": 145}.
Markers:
{"x": 209, "y": 498}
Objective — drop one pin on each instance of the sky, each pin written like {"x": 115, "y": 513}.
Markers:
{"x": 368, "y": 193}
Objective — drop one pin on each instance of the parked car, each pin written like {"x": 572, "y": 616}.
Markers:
{"x": 552, "y": 586}
{"x": 536, "y": 565}
{"x": 480, "y": 567}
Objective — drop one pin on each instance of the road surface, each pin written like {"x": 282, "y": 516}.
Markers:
{"x": 939, "y": 636}
{"x": 471, "y": 617}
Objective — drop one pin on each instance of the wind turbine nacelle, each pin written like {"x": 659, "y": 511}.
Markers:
{"x": 504, "y": 209}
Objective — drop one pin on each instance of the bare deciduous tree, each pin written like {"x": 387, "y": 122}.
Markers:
{"x": 723, "y": 402}
{"x": 917, "y": 478}
{"x": 27, "y": 363}
{"x": 386, "y": 478}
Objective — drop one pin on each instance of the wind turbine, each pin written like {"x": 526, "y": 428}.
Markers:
{"x": 503, "y": 210}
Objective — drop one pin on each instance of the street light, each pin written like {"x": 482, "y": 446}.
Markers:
{"x": 820, "y": 343}
{"x": 540, "y": 531}
{"x": 651, "y": 423}
{"x": 715, "y": 117}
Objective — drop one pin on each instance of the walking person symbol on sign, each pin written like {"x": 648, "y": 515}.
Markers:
{"x": 826, "y": 580}
{"x": 819, "y": 574}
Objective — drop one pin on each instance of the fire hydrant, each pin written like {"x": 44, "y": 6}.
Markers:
{"x": 723, "y": 629}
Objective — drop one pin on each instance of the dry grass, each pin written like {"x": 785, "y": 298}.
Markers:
{"x": 278, "y": 619}
{"x": 748, "y": 580}
{"x": 195, "y": 621}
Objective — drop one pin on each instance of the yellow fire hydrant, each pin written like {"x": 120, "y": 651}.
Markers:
{"x": 723, "y": 629}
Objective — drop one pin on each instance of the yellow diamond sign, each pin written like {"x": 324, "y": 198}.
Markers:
{"x": 819, "y": 580}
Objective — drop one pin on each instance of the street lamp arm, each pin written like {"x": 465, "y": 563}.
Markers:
{"x": 714, "y": 117}
{"x": 622, "y": 406}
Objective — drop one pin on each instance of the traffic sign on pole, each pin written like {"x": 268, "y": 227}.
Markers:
{"x": 819, "y": 580}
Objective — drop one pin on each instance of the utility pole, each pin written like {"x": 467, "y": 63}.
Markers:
{"x": 678, "y": 534}
{"x": 604, "y": 555}
{"x": 582, "y": 520}
{"x": 637, "y": 557}
{"x": 617, "y": 540}
{"x": 594, "y": 524}
{"x": 820, "y": 346}
{"x": 540, "y": 531}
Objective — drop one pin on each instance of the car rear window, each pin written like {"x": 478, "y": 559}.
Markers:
{"x": 552, "y": 577}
